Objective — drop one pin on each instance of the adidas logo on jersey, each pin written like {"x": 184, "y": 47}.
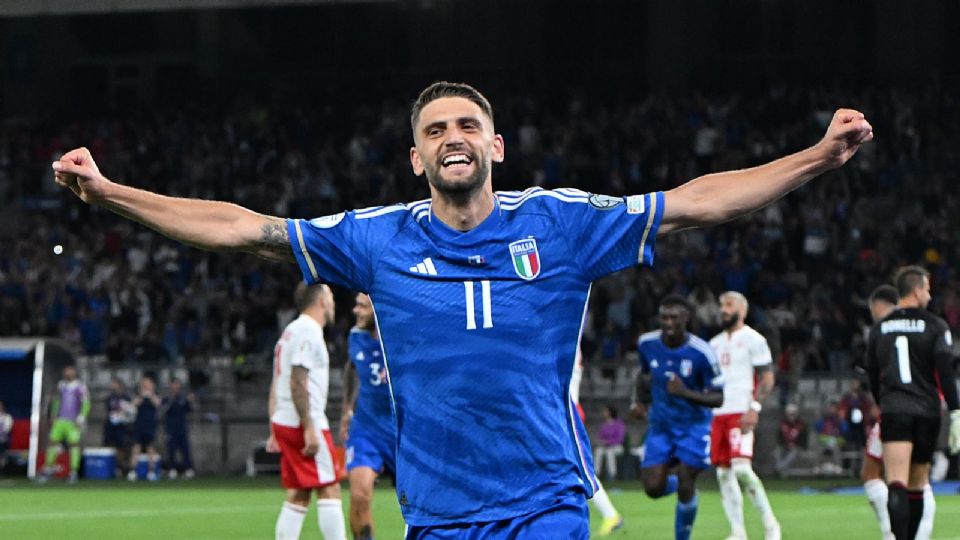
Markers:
{"x": 425, "y": 267}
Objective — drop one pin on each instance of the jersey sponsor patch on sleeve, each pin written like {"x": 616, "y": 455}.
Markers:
{"x": 635, "y": 204}
{"x": 604, "y": 202}
{"x": 327, "y": 222}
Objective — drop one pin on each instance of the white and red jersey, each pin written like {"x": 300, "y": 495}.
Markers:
{"x": 301, "y": 345}
{"x": 739, "y": 353}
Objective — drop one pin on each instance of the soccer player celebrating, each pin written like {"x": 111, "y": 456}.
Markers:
{"x": 908, "y": 353}
{"x": 298, "y": 421}
{"x": 367, "y": 425}
{"x": 70, "y": 408}
{"x": 743, "y": 353}
{"x": 681, "y": 374}
{"x": 479, "y": 298}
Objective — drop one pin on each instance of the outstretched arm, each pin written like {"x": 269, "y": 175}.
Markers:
{"x": 716, "y": 198}
{"x": 211, "y": 225}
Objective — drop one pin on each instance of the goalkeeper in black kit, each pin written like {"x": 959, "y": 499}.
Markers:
{"x": 909, "y": 352}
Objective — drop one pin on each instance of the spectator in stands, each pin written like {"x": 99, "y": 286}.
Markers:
{"x": 175, "y": 408}
{"x": 831, "y": 429}
{"x": 150, "y": 349}
{"x": 610, "y": 444}
{"x": 706, "y": 320}
{"x": 793, "y": 438}
{"x": 116, "y": 426}
{"x": 857, "y": 409}
{"x": 610, "y": 351}
{"x": 145, "y": 429}
{"x": 6, "y": 424}
{"x": 855, "y": 219}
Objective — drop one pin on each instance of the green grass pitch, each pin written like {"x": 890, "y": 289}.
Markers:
{"x": 239, "y": 509}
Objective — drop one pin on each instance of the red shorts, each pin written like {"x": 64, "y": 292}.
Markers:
{"x": 298, "y": 471}
{"x": 874, "y": 447}
{"x": 727, "y": 440}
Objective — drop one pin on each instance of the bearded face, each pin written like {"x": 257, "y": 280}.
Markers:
{"x": 729, "y": 319}
{"x": 455, "y": 147}
{"x": 458, "y": 172}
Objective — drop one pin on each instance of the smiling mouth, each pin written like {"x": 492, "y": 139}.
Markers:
{"x": 456, "y": 161}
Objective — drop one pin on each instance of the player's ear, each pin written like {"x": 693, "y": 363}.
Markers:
{"x": 498, "y": 149}
{"x": 415, "y": 161}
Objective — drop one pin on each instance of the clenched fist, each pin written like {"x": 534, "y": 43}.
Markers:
{"x": 77, "y": 170}
{"x": 847, "y": 132}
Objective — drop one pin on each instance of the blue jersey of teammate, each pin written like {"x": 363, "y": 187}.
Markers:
{"x": 695, "y": 364}
{"x": 480, "y": 331}
{"x": 372, "y": 438}
{"x": 372, "y": 410}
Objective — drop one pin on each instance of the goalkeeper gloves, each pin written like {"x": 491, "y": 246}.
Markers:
{"x": 953, "y": 441}
{"x": 81, "y": 421}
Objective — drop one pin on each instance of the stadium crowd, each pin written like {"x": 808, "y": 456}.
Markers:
{"x": 807, "y": 263}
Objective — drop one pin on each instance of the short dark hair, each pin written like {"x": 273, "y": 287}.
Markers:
{"x": 442, "y": 89}
{"x": 675, "y": 299}
{"x": 305, "y": 295}
{"x": 884, "y": 293}
{"x": 909, "y": 278}
{"x": 612, "y": 410}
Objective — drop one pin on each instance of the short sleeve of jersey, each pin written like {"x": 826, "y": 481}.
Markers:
{"x": 759, "y": 350}
{"x": 710, "y": 370}
{"x": 305, "y": 352}
{"x": 613, "y": 233}
{"x": 644, "y": 365}
{"x": 943, "y": 341}
{"x": 337, "y": 249}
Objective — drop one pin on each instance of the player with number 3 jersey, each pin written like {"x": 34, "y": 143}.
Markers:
{"x": 367, "y": 425}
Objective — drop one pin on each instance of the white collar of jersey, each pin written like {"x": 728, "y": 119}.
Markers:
{"x": 735, "y": 333}
{"x": 312, "y": 321}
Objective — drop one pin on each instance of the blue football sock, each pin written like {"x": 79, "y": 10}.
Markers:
{"x": 671, "y": 486}
{"x": 683, "y": 522}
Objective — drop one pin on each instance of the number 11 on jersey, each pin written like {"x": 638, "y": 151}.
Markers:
{"x": 485, "y": 304}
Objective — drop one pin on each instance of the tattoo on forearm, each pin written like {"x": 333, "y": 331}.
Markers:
{"x": 299, "y": 392}
{"x": 274, "y": 242}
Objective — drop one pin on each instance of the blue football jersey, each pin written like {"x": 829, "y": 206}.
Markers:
{"x": 480, "y": 331}
{"x": 695, "y": 364}
{"x": 373, "y": 411}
